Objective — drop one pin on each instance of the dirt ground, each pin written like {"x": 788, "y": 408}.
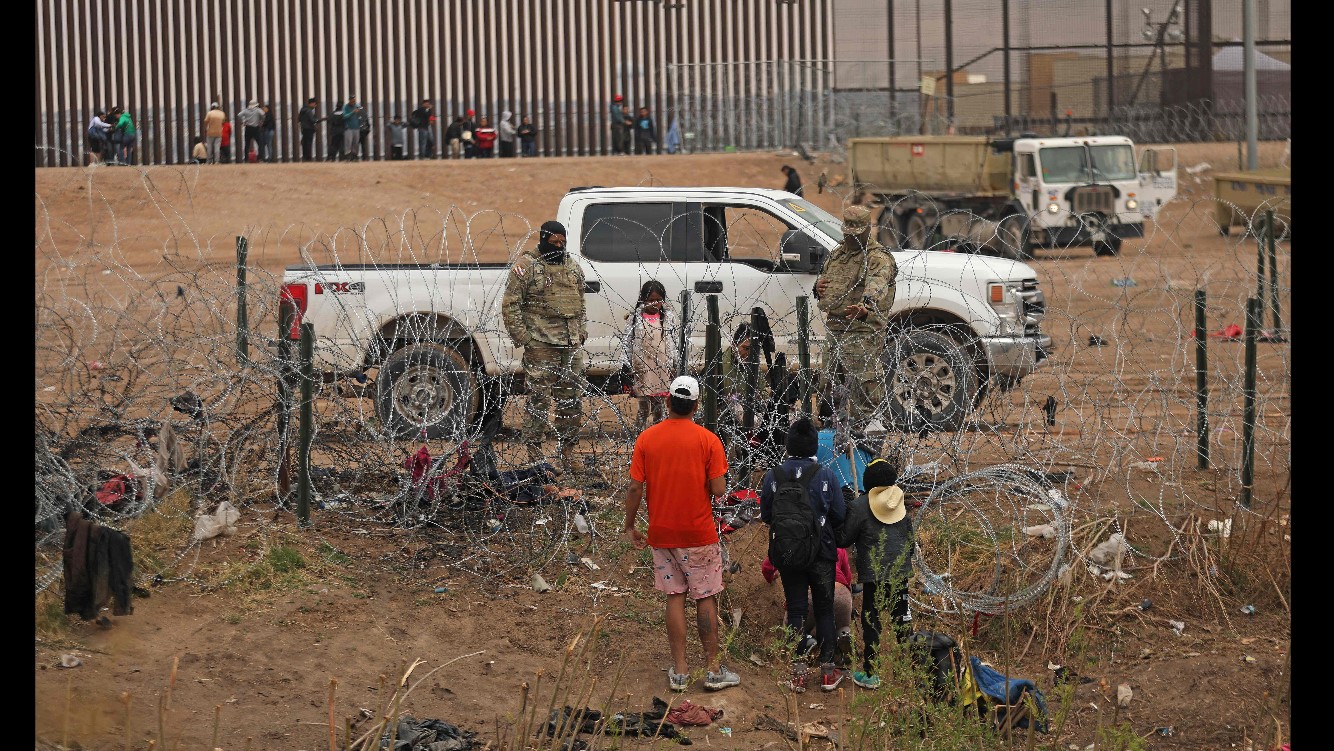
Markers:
{"x": 260, "y": 662}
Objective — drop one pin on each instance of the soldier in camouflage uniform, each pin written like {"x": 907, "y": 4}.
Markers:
{"x": 545, "y": 314}
{"x": 855, "y": 291}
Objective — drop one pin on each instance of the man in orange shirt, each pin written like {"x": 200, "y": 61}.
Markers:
{"x": 683, "y": 465}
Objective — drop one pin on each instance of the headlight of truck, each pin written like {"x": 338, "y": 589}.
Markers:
{"x": 1008, "y": 306}
{"x": 1053, "y": 208}
{"x": 1132, "y": 204}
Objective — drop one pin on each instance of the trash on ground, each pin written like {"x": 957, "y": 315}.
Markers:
{"x": 581, "y": 524}
{"x": 70, "y": 661}
{"x": 686, "y": 712}
{"x": 1146, "y": 466}
{"x": 441, "y": 590}
{"x": 1096, "y": 341}
{"x": 1248, "y": 610}
{"x": 1045, "y": 531}
{"x": 1164, "y": 732}
{"x": 604, "y": 585}
{"x": 1248, "y": 659}
{"x": 1124, "y": 281}
{"x": 1231, "y": 332}
{"x": 540, "y": 584}
{"x": 221, "y": 522}
{"x": 1124, "y": 695}
{"x": 589, "y": 563}
{"x": 754, "y": 658}
{"x": 1224, "y": 526}
{"x": 726, "y": 731}
{"x": 1145, "y": 604}
{"x": 1196, "y": 169}
{"x": 1106, "y": 553}
{"x": 1178, "y": 626}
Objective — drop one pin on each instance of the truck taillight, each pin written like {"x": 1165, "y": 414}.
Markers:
{"x": 294, "y": 295}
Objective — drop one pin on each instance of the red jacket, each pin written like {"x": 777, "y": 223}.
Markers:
{"x": 486, "y": 137}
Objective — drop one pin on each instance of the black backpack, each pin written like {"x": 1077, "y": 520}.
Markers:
{"x": 794, "y": 532}
{"x": 941, "y": 657}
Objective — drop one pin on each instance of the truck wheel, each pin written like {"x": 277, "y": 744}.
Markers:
{"x": 931, "y": 381}
{"x": 917, "y": 236}
{"x": 1012, "y": 238}
{"x": 426, "y": 388}
{"x": 1109, "y": 246}
{"x": 887, "y": 229}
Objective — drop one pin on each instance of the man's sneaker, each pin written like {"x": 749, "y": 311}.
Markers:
{"x": 843, "y": 647}
{"x": 721, "y": 679}
{"x": 866, "y": 680}
{"x": 678, "y": 681}
{"x": 799, "y": 678}
{"x": 831, "y": 676}
{"x": 805, "y": 646}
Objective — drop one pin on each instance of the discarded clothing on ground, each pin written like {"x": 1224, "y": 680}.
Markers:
{"x": 98, "y": 566}
{"x": 644, "y": 724}
{"x": 525, "y": 485}
{"x": 686, "y": 713}
{"x": 1008, "y": 694}
{"x": 428, "y": 735}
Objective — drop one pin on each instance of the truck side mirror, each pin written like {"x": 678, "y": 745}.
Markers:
{"x": 799, "y": 252}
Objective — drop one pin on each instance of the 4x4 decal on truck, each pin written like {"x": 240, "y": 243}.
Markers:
{"x": 340, "y": 288}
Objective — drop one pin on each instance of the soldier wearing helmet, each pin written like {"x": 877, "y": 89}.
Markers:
{"x": 856, "y": 291}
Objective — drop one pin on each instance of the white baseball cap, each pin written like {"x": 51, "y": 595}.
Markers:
{"x": 685, "y": 387}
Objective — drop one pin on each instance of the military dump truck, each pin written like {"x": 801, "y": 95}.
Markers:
{"x": 1243, "y": 198}
{"x": 1009, "y": 196}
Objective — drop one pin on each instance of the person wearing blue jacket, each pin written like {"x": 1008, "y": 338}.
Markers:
{"x": 826, "y": 497}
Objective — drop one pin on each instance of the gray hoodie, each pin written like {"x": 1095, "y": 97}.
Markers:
{"x": 506, "y": 128}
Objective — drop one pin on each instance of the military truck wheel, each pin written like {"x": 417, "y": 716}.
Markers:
{"x": 887, "y": 229}
{"x": 932, "y": 382}
{"x": 917, "y": 235}
{"x": 1012, "y": 238}
{"x": 1109, "y": 246}
{"x": 426, "y": 390}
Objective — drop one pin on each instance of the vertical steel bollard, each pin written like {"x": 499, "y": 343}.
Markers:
{"x": 712, "y": 364}
{"x": 1253, "y": 313}
{"x": 1277, "y": 333}
{"x": 1201, "y": 386}
{"x": 749, "y": 384}
{"x": 242, "y": 338}
{"x": 683, "y": 343}
{"x": 303, "y": 489}
{"x": 804, "y": 352}
{"x": 286, "y": 316}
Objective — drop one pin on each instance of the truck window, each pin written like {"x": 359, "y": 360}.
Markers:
{"x": 1026, "y": 167}
{"x": 1112, "y": 162}
{"x": 745, "y": 232}
{"x": 627, "y": 232}
{"x": 1064, "y": 164}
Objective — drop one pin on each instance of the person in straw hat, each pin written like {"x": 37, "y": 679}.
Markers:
{"x": 879, "y": 527}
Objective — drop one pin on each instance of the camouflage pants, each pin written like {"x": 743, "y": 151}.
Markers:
{"x": 854, "y": 366}
{"x": 553, "y": 373}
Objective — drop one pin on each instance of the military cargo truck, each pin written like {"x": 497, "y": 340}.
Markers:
{"x": 1243, "y": 198}
{"x": 1009, "y": 196}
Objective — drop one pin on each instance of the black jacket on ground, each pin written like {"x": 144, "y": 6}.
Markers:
{"x": 98, "y": 565}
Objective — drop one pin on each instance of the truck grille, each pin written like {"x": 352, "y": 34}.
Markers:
{"x": 1097, "y": 198}
{"x": 1035, "y": 307}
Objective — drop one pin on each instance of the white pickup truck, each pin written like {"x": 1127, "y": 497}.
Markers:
{"x": 434, "y": 337}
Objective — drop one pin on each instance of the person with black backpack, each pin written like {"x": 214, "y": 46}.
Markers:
{"x": 802, "y": 503}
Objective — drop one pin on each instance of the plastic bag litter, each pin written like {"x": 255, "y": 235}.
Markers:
{"x": 1106, "y": 552}
{"x": 1224, "y": 526}
{"x": 1045, "y": 531}
{"x": 220, "y": 522}
{"x": 1124, "y": 695}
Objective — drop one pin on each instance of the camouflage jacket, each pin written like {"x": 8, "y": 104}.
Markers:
{"x": 544, "y": 302}
{"x": 858, "y": 278}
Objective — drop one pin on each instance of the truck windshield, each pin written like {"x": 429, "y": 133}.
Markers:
{"x": 1079, "y": 164}
{"x": 814, "y": 215}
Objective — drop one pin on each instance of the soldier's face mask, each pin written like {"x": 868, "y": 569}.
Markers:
{"x": 553, "y": 247}
{"x": 858, "y": 233}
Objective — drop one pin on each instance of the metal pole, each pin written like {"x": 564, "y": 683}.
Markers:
{"x": 889, "y": 17}
{"x": 949, "y": 63}
{"x": 1248, "y": 404}
{"x": 1277, "y": 333}
{"x": 1111, "y": 65}
{"x": 804, "y": 352}
{"x": 683, "y": 342}
{"x": 303, "y": 489}
{"x": 242, "y": 341}
{"x": 1248, "y": 40}
{"x": 1260, "y": 260}
{"x": 712, "y": 364}
{"x": 1201, "y": 385}
{"x": 1005, "y": 45}
{"x": 749, "y": 384}
{"x": 286, "y": 315}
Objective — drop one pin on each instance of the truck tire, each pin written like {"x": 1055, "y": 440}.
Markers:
{"x": 916, "y": 232}
{"x": 426, "y": 391}
{"x": 931, "y": 382}
{"x": 1109, "y": 247}
{"x": 1012, "y": 238}
{"x": 887, "y": 229}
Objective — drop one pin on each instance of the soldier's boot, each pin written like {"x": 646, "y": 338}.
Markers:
{"x": 535, "y": 455}
{"x": 567, "y": 459}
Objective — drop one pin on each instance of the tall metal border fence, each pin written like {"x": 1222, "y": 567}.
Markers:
{"x": 558, "y": 62}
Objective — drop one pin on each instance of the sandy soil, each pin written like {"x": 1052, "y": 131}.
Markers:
{"x": 261, "y": 660}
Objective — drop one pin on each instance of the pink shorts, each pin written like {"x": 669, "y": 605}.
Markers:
{"x": 696, "y": 570}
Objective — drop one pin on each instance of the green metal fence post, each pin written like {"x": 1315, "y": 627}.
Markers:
{"x": 286, "y": 316}
{"x": 303, "y": 489}
{"x": 1253, "y": 313}
{"x": 683, "y": 342}
{"x": 804, "y": 377}
{"x": 712, "y": 364}
{"x": 1201, "y": 385}
{"x": 1277, "y": 333}
{"x": 242, "y": 337}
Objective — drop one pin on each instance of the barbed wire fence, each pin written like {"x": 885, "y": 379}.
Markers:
{"x": 1102, "y": 438}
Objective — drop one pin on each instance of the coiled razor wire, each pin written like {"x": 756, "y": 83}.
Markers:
{"x": 119, "y": 348}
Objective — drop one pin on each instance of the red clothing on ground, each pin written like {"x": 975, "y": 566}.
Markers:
{"x": 675, "y": 459}
{"x": 842, "y": 569}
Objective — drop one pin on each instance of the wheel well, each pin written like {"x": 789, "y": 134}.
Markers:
{"x": 439, "y": 328}
{"x": 955, "y": 327}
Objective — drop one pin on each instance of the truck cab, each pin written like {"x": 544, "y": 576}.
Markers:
{"x": 1090, "y": 190}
